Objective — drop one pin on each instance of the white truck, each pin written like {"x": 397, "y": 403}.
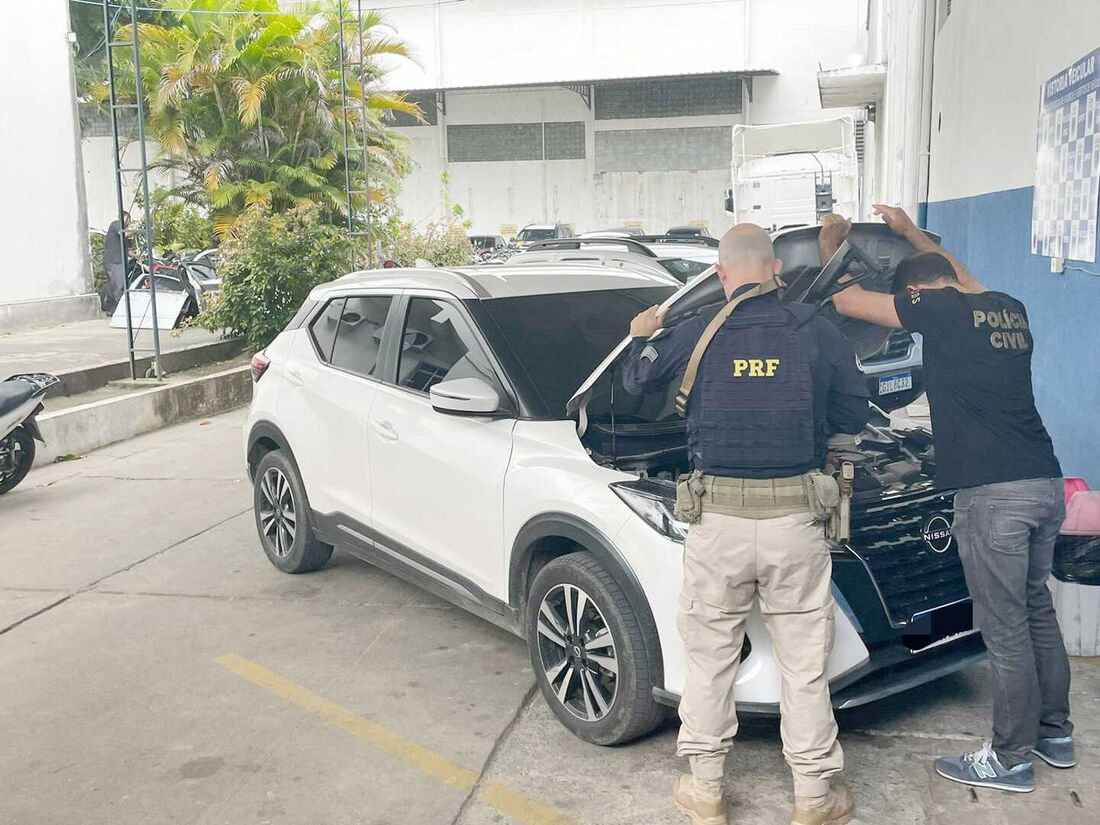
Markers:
{"x": 789, "y": 174}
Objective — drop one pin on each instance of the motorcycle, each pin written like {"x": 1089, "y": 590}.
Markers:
{"x": 20, "y": 403}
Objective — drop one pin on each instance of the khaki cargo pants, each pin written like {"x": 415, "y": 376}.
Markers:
{"x": 729, "y": 562}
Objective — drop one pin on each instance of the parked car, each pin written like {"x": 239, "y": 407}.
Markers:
{"x": 468, "y": 430}
{"x": 608, "y": 257}
{"x": 597, "y": 248}
{"x": 688, "y": 256}
{"x": 628, "y": 231}
{"x": 688, "y": 232}
{"x": 541, "y": 232}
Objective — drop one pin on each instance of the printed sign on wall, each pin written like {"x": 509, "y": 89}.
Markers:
{"x": 1067, "y": 174}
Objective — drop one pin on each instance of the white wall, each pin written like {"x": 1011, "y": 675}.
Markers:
{"x": 570, "y": 191}
{"x": 796, "y": 37}
{"x": 994, "y": 103}
{"x": 903, "y": 118}
{"x": 498, "y": 42}
{"x": 487, "y": 42}
{"x": 99, "y": 180}
{"x": 43, "y": 229}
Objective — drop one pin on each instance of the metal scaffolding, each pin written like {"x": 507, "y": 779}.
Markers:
{"x": 138, "y": 108}
{"x": 354, "y": 63}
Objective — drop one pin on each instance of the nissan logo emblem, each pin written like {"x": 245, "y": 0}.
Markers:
{"x": 937, "y": 534}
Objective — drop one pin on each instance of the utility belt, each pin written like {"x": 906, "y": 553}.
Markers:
{"x": 827, "y": 497}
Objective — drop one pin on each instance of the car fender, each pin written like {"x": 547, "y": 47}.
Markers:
{"x": 265, "y": 429}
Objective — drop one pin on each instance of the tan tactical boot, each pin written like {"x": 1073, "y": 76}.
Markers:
{"x": 703, "y": 808}
{"x": 833, "y": 809}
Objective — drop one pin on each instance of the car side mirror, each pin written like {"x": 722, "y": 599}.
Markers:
{"x": 465, "y": 396}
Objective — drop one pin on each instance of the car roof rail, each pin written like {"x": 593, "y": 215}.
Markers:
{"x": 630, "y": 244}
{"x": 688, "y": 240}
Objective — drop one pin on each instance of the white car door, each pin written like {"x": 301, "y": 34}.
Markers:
{"x": 332, "y": 388}
{"x": 437, "y": 480}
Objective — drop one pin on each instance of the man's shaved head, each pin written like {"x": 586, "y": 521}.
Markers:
{"x": 745, "y": 256}
{"x": 745, "y": 243}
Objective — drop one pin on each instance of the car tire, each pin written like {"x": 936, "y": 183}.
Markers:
{"x": 590, "y": 609}
{"x": 21, "y": 442}
{"x": 283, "y": 517}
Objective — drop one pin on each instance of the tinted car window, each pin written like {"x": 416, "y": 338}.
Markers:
{"x": 323, "y": 328}
{"x": 359, "y": 333}
{"x": 560, "y": 339}
{"x": 536, "y": 234}
{"x": 438, "y": 345}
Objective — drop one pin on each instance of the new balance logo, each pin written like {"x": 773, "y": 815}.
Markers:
{"x": 984, "y": 770}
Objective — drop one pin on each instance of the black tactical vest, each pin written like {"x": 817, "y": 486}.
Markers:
{"x": 752, "y": 408}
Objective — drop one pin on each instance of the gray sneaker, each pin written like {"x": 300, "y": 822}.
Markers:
{"x": 1057, "y": 753}
{"x": 983, "y": 769}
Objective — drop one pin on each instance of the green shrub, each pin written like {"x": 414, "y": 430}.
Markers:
{"x": 179, "y": 226}
{"x": 268, "y": 265}
{"x": 442, "y": 244}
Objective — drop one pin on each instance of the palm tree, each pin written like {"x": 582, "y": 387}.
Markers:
{"x": 246, "y": 103}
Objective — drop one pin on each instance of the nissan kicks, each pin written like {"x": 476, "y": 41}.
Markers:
{"x": 468, "y": 430}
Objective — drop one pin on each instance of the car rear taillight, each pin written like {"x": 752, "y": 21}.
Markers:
{"x": 259, "y": 365}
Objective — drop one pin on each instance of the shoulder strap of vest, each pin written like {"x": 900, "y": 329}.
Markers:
{"x": 700, "y": 350}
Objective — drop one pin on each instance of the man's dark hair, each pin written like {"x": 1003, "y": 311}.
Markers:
{"x": 924, "y": 268}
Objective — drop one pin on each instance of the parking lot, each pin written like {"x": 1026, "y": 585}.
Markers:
{"x": 156, "y": 668}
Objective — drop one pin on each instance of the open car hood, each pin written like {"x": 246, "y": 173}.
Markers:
{"x": 868, "y": 257}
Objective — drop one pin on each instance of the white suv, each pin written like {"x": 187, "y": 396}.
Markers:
{"x": 467, "y": 430}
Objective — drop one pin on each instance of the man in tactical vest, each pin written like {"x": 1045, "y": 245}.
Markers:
{"x": 765, "y": 385}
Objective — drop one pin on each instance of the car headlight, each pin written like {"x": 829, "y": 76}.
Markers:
{"x": 650, "y": 501}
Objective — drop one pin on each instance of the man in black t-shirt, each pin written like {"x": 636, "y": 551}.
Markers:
{"x": 992, "y": 447}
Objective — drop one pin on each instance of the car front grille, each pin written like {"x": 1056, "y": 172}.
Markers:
{"x": 912, "y": 578}
{"x": 896, "y": 347}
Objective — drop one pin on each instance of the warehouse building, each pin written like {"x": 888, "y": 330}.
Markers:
{"x": 605, "y": 112}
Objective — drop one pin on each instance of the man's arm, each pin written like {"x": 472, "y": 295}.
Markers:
{"x": 854, "y": 301}
{"x": 874, "y": 307}
{"x": 896, "y": 218}
{"x": 654, "y": 361}
{"x": 848, "y": 407}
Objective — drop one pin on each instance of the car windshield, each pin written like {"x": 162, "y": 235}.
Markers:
{"x": 536, "y": 234}
{"x": 560, "y": 339}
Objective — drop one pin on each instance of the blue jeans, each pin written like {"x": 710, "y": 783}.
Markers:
{"x": 1006, "y": 534}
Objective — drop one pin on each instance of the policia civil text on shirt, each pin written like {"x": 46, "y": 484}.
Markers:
{"x": 992, "y": 447}
{"x": 764, "y": 386}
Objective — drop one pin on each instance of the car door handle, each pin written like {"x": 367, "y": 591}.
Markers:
{"x": 294, "y": 377}
{"x": 385, "y": 430}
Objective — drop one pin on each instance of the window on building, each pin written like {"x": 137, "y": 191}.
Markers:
{"x": 515, "y": 141}
{"x": 429, "y": 111}
{"x": 669, "y": 97}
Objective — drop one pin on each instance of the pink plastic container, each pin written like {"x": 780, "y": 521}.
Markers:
{"x": 1083, "y": 514}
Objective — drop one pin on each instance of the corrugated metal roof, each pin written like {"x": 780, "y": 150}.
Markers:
{"x": 750, "y": 73}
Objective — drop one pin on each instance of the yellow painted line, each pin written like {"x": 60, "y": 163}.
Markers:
{"x": 509, "y": 802}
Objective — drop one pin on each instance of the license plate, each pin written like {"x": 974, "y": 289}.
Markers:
{"x": 895, "y": 383}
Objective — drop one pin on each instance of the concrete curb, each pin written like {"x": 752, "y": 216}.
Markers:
{"x": 23, "y": 315}
{"x": 78, "y": 430}
{"x": 92, "y": 378}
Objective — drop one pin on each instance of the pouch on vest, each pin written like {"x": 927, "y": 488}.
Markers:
{"x": 823, "y": 494}
{"x": 689, "y": 498}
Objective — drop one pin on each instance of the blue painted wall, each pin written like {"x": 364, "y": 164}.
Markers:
{"x": 991, "y": 234}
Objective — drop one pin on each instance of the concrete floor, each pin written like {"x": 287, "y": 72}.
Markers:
{"x": 155, "y": 668}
